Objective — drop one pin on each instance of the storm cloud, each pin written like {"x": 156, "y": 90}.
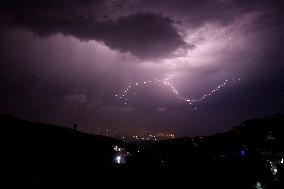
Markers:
{"x": 144, "y": 34}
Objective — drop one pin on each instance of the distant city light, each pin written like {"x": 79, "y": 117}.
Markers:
{"x": 117, "y": 149}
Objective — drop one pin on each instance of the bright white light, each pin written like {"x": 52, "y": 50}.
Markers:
{"x": 281, "y": 161}
{"x": 118, "y": 159}
{"x": 274, "y": 170}
{"x": 116, "y": 148}
{"x": 258, "y": 185}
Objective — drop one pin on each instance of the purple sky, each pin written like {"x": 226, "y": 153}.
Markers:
{"x": 62, "y": 62}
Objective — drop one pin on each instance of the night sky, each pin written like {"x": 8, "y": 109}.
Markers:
{"x": 78, "y": 61}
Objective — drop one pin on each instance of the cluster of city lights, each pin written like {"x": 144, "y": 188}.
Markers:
{"x": 121, "y": 154}
{"x": 274, "y": 164}
{"x": 138, "y": 136}
{"x": 131, "y": 90}
{"x": 153, "y": 137}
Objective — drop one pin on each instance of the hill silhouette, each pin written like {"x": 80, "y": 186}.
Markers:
{"x": 49, "y": 155}
{"x": 43, "y": 151}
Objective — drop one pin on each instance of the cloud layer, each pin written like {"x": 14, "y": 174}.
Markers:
{"x": 144, "y": 34}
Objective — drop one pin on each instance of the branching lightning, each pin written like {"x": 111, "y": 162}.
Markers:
{"x": 131, "y": 90}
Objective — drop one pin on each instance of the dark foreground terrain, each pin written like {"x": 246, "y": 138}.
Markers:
{"x": 249, "y": 156}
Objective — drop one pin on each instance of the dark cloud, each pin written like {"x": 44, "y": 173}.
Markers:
{"x": 144, "y": 34}
{"x": 195, "y": 13}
